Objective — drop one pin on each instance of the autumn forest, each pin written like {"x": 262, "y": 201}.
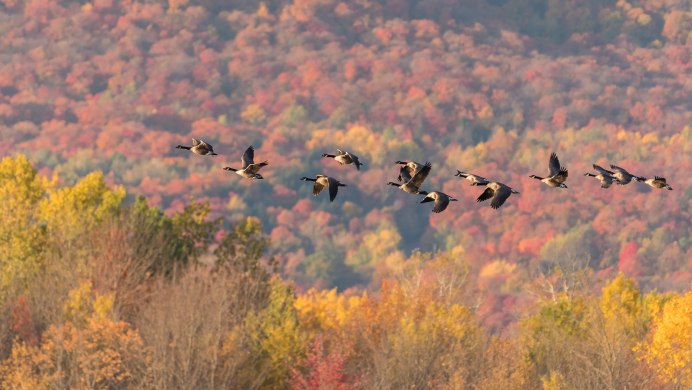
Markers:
{"x": 126, "y": 263}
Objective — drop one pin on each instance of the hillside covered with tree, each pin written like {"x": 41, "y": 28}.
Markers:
{"x": 490, "y": 87}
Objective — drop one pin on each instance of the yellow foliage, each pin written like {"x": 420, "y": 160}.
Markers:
{"x": 554, "y": 382}
{"x": 621, "y": 302}
{"x": 497, "y": 268}
{"x": 18, "y": 373}
{"x": 263, "y": 10}
{"x": 254, "y": 114}
{"x": 320, "y": 310}
{"x": 72, "y": 211}
{"x": 649, "y": 138}
{"x": 103, "y": 354}
{"x": 669, "y": 351}
{"x": 22, "y": 237}
{"x": 84, "y": 304}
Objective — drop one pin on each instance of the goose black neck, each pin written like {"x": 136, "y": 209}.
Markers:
{"x": 183, "y": 147}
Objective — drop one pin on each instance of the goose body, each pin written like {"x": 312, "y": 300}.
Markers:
{"x": 440, "y": 198}
{"x": 322, "y": 182}
{"x": 407, "y": 170}
{"x": 604, "y": 176}
{"x": 249, "y": 169}
{"x": 622, "y": 175}
{"x": 199, "y": 147}
{"x": 499, "y": 193}
{"x": 412, "y": 186}
{"x": 345, "y": 158}
{"x": 474, "y": 179}
{"x": 558, "y": 174}
{"x": 656, "y": 182}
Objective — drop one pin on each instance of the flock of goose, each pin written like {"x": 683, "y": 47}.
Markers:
{"x": 412, "y": 175}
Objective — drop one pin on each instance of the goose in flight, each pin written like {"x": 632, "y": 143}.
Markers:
{"x": 199, "y": 147}
{"x": 622, "y": 175}
{"x": 440, "y": 198}
{"x": 558, "y": 174}
{"x": 604, "y": 176}
{"x": 498, "y": 191}
{"x": 407, "y": 170}
{"x": 345, "y": 158}
{"x": 412, "y": 186}
{"x": 656, "y": 182}
{"x": 474, "y": 179}
{"x": 249, "y": 168}
{"x": 321, "y": 182}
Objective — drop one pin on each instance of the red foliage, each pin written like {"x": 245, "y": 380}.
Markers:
{"x": 323, "y": 370}
{"x": 22, "y": 322}
{"x": 628, "y": 263}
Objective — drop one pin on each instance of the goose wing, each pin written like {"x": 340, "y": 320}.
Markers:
{"x": 254, "y": 168}
{"x": 500, "y": 197}
{"x": 206, "y": 146}
{"x": 355, "y": 160}
{"x": 420, "y": 176}
{"x": 248, "y": 157}
{"x": 554, "y": 165}
{"x": 480, "y": 179}
{"x": 195, "y": 142}
{"x": 659, "y": 179}
{"x": 441, "y": 203}
{"x": 602, "y": 170}
{"x": 405, "y": 173}
{"x": 618, "y": 169}
{"x": 333, "y": 188}
{"x": 487, "y": 194}
{"x": 320, "y": 183}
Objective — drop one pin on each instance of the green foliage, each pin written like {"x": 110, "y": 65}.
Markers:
{"x": 193, "y": 232}
{"x": 242, "y": 247}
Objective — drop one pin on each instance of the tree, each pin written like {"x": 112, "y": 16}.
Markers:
{"x": 669, "y": 348}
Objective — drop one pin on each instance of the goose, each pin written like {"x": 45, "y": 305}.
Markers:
{"x": 622, "y": 175}
{"x": 321, "y": 182}
{"x": 440, "y": 198}
{"x": 412, "y": 186}
{"x": 249, "y": 169}
{"x": 408, "y": 169}
{"x": 656, "y": 182}
{"x": 498, "y": 191}
{"x": 199, "y": 147}
{"x": 558, "y": 174}
{"x": 345, "y": 158}
{"x": 474, "y": 179}
{"x": 604, "y": 176}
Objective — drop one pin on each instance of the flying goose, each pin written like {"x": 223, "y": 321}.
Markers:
{"x": 656, "y": 182}
{"x": 249, "y": 169}
{"x": 604, "y": 176}
{"x": 498, "y": 191}
{"x": 622, "y": 175}
{"x": 199, "y": 147}
{"x": 412, "y": 186}
{"x": 474, "y": 179}
{"x": 408, "y": 169}
{"x": 345, "y": 158}
{"x": 321, "y": 182}
{"x": 558, "y": 174}
{"x": 440, "y": 198}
